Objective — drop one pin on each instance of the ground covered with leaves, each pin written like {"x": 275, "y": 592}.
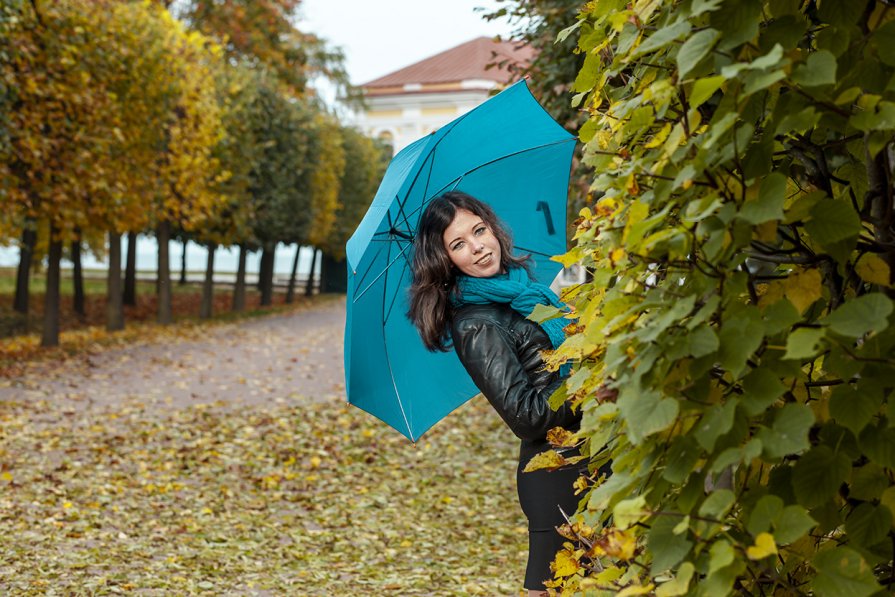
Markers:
{"x": 291, "y": 497}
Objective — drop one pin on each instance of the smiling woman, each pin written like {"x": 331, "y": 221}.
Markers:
{"x": 470, "y": 291}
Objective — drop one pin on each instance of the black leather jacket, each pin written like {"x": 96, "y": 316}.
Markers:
{"x": 501, "y": 350}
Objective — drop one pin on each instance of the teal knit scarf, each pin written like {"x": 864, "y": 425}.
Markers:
{"x": 516, "y": 289}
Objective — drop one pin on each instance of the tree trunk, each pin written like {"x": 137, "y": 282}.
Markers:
{"x": 207, "y": 306}
{"x": 266, "y": 274}
{"x": 51, "y": 299}
{"x": 290, "y": 290}
{"x": 77, "y": 277}
{"x": 182, "y": 280}
{"x": 239, "y": 289}
{"x": 163, "y": 234}
{"x": 333, "y": 275}
{"x": 114, "y": 303}
{"x": 309, "y": 286}
{"x": 23, "y": 275}
{"x": 130, "y": 271}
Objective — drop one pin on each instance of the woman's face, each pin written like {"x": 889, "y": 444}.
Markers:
{"x": 472, "y": 246}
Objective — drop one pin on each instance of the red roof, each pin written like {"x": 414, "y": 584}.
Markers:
{"x": 461, "y": 63}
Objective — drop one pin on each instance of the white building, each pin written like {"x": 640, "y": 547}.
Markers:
{"x": 414, "y": 101}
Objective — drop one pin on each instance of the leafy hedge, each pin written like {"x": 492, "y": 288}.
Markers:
{"x": 741, "y": 302}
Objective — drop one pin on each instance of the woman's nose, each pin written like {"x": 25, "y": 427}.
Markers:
{"x": 478, "y": 248}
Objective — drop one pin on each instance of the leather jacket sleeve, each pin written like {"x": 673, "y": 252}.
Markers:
{"x": 488, "y": 353}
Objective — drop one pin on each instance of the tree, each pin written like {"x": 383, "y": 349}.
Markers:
{"x": 59, "y": 163}
{"x": 365, "y": 164}
{"x": 741, "y": 302}
{"x": 326, "y": 177}
{"x": 261, "y": 33}
{"x": 280, "y": 182}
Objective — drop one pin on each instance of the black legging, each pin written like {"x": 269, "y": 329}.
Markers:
{"x": 541, "y": 494}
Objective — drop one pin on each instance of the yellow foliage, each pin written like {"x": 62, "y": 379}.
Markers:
{"x": 873, "y": 269}
{"x": 803, "y": 288}
{"x": 566, "y": 562}
{"x": 764, "y": 547}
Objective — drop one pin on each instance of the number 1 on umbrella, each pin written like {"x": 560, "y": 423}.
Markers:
{"x": 542, "y": 206}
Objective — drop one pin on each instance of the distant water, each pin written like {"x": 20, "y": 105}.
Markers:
{"x": 225, "y": 260}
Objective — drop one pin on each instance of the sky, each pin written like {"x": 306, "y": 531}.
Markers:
{"x": 381, "y": 36}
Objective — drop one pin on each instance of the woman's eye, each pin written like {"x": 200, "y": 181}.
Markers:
{"x": 457, "y": 246}
{"x": 479, "y": 231}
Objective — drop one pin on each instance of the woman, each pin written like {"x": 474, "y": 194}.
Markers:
{"x": 470, "y": 291}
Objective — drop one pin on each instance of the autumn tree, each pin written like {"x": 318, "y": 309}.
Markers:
{"x": 62, "y": 131}
{"x": 280, "y": 183}
{"x": 263, "y": 33}
{"x": 741, "y": 302}
{"x": 328, "y": 155}
{"x": 365, "y": 164}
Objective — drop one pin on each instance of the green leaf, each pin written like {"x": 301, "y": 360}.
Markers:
{"x": 702, "y": 6}
{"x": 740, "y": 337}
{"x": 769, "y": 204}
{"x": 704, "y": 88}
{"x": 695, "y": 49}
{"x": 832, "y": 221}
{"x": 764, "y": 514}
{"x": 884, "y": 42}
{"x": 854, "y": 408}
{"x": 717, "y": 504}
{"x": 868, "y": 483}
{"x": 721, "y": 555}
{"x": 817, "y": 475}
{"x": 646, "y": 412}
{"x": 789, "y": 433}
{"x": 842, "y": 572}
{"x": 868, "y": 313}
{"x": 714, "y": 423}
{"x": 702, "y": 341}
{"x": 868, "y": 524}
{"x": 738, "y": 22}
{"x": 679, "y": 584}
{"x": 663, "y": 37}
{"x": 804, "y": 343}
{"x": 792, "y": 525}
{"x": 683, "y": 454}
{"x": 668, "y": 548}
{"x": 761, "y": 388}
{"x": 878, "y": 443}
{"x": 819, "y": 69}
{"x": 629, "y": 512}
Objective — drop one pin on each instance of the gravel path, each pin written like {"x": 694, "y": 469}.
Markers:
{"x": 281, "y": 358}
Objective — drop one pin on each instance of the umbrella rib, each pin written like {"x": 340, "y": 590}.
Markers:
{"x": 388, "y": 358}
{"x": 388, "y": 312}
{"x": 383, "y": 272}
{"x": 370, "y": 267}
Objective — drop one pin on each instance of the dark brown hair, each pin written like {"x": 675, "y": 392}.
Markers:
{"x": 434, "y": 275}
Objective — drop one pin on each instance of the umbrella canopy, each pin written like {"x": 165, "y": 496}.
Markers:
{"x": 507, "y": 152}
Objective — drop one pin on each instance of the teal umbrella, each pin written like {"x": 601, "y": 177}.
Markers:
{"x": 507, "y": 152}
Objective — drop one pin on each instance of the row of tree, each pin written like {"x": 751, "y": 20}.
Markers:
{"x": 118, "y": 118}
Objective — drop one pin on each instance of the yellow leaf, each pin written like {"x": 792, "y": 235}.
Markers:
{"x": 561, "y": 438}
{"x": 565, "y": 563}
{"x": 606, "y": 206}
{"x": 551, "y": 460}
{"x": 873, "y": 269}
{"x": 764, "y": 547}
{"x": 659, "y": 138}
{"x": 5, "y": 476}
{"x": 803, "y": 288}
{"x": 636, "y": 590}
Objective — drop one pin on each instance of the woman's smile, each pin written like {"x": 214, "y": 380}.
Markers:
{"x": 472, "y": 246}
